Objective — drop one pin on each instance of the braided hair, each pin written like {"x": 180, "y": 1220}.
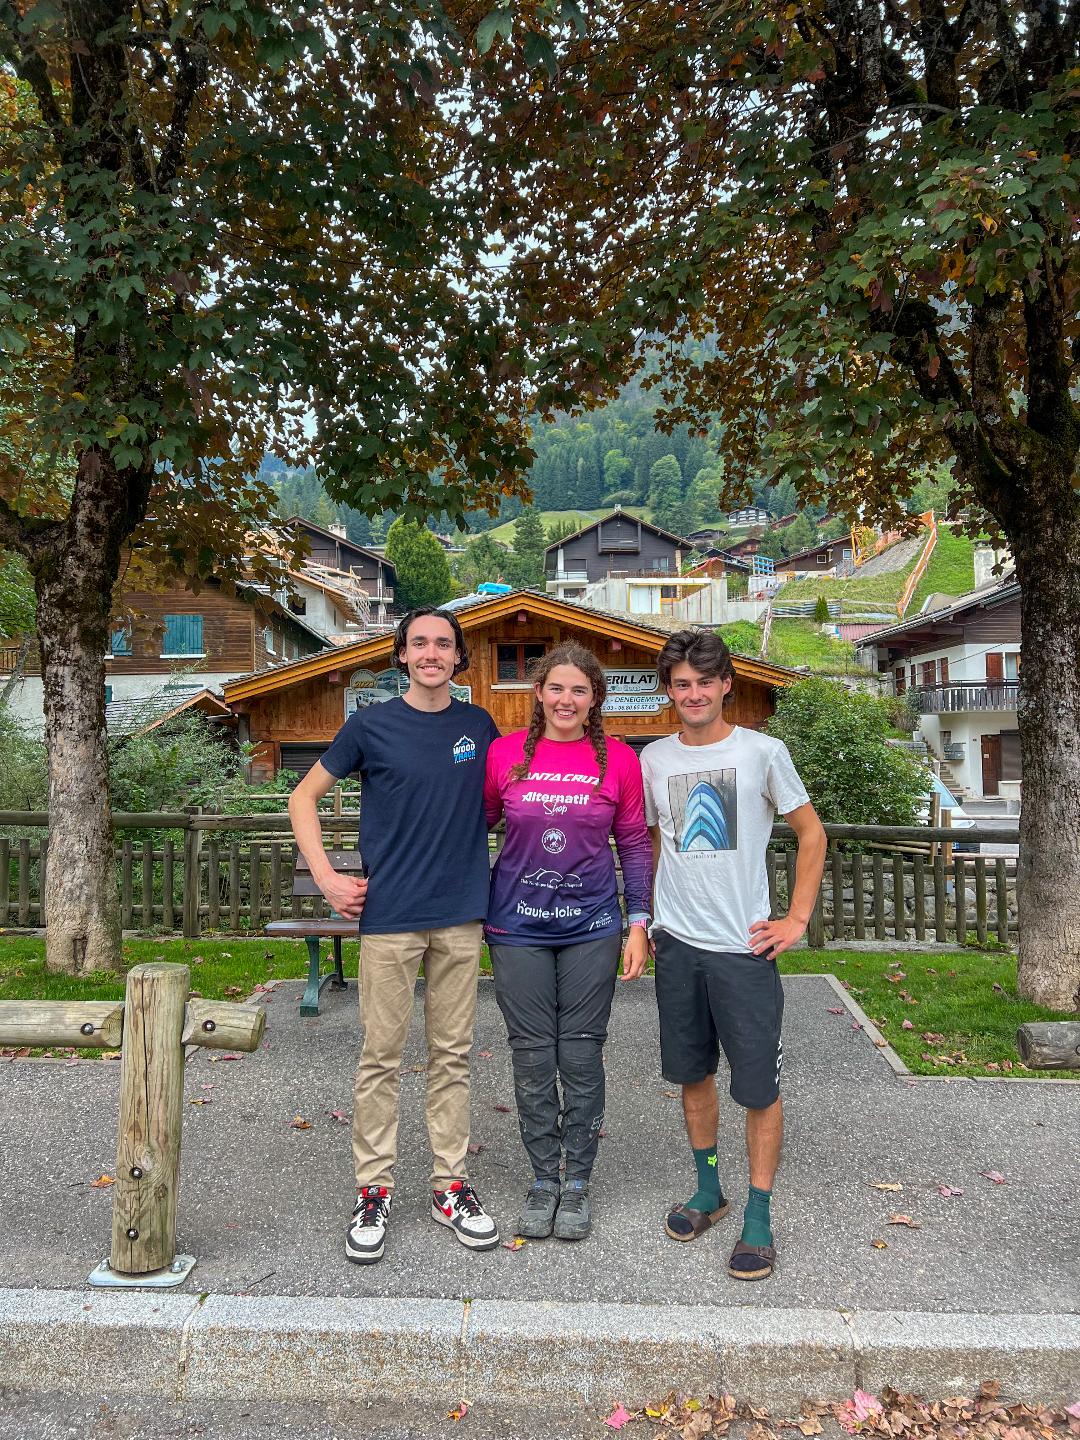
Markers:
{"x": 569, "y": 653}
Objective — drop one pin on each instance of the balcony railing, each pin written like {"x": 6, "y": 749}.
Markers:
{"x": 571, "y": 572}
{"x": 940, "y": 699}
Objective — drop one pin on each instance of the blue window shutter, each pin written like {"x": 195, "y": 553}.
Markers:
{"x": 108, "y": 694}
{"x": 121, "y": 642}
{"x": 183, "y": 635}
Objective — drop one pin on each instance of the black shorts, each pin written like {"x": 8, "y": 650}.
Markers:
{"x": 710, "y": 999}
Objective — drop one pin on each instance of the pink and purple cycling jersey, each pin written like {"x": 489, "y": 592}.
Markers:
{"x": 554, "y": 881}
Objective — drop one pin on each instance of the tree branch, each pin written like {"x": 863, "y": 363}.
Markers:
{"x": 28, "y": 535}
{"x": 31, "y": 68}
{"x": 192, "y": 69}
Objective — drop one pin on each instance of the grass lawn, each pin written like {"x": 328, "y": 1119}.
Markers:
{"x": 965, "y": 1000}
{"x": 951, "y": 571}
{"x": 801, "y": 642}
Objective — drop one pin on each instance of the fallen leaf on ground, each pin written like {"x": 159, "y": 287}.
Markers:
{"x": 233, "y": 990}
{"x": 102, "y": 1182}
{"x": 885, "y": 1185}
{"x": 905, "y": 1220}
{"x": 1073, "y": 1410}
{"x": 949, "y": 1190}
{"x": 882, "y": 1044}
{"x": 856, "y": 1024}
{"x": 836, "y": 1010}
{"x": 459, "y": 1411}
{"x": 517, "y": 1243}
{"x": 906, "y": 1025}
{"x": 932, "y": 1037}
{"x": 878, "y": 1245}
{"x": 484, "y": 1054}
{"x": 201, "y": 1100}
{"x": 865, "y": 1405}
{"x": 811, "y": 1427}
{"x": 299, "y": 1123}
{"x": 475, "y": 1148}
{"x": 670, "y": 1094}
{"x": 618, "y": 1417}
{"x": 503, "y": 1109}
{"x": 994, "y": 1175}
{"x": 895, "y": 978}
{"x": 999, "y": 988}
{"x": 340, "y": 1116}
{"x": 228, "y": 1055}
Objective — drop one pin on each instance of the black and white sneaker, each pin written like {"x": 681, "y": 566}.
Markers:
{"x": 365, "y": 1238}
{"x": 458, "y": 1207}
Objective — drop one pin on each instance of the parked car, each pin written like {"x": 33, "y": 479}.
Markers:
{"x": 958, "y": 816}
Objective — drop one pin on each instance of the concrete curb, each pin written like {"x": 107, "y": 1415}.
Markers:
{"x": 512, "y": 1353}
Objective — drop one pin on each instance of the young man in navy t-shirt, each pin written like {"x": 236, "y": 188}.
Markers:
{"x": 423, "y": 837}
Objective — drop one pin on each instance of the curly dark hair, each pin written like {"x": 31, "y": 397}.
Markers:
{"x": 401, "y": 635}
{"x": 569, "y": 653}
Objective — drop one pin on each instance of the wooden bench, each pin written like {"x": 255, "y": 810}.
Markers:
{"x": 317, "y": 928}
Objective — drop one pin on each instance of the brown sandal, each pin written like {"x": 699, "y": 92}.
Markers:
{"x": 698, "y": 1220}
{"x": 759, "y": 1259}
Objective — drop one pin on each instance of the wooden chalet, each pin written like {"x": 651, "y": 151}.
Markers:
{"x": 293, "y": 712}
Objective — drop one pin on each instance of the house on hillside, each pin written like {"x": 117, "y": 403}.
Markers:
{"x": 831, "y": 557}
{"x": 617, "y": 545}
{"x": 340, "y": 563}
{"x": 962, "y": 662}
{"x": 292, "y": 713}
{"x": 202, "y": 640}
{"x": 749, "y": 515}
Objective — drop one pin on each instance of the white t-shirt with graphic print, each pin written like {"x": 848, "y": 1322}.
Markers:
{"x": 716, "y": 806}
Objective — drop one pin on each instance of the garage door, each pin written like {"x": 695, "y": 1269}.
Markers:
{"x": 301, "y": 757}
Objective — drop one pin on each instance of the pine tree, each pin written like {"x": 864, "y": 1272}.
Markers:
{"x": 526, "y": 559}
{"x": 423, "y": 573}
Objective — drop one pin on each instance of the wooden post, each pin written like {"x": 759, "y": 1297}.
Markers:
{"x": 858, "y": 898}
{"x": 1002, "y": 899}
{"x": 960, "y": 897}
{"x": 127, "y": 914}
{"x": 815, "y": 931}
{"x": 980, "y": 898}
{"x": 151, "y": 1113}
{"x": 837, "y": 892}
{"x": 5, "y": 879}
{"x": 192, "y": 881}
{"x": 940, "y": 896}
{"x": 168, "y": 919}
{"x": 899, "y": 904}
{"x": 918, "y": 883}
{"x": 879, "y": 897}
{"x": 148, "y": 885}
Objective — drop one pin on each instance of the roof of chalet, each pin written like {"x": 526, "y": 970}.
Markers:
{"x": 617, "y": 514}
{"x": 141, "y": 713}
{"x": 340, "y": 539}
{"x": 986, "y": 597}
{"x": 474, "y": 611}
{"x": 266, "y": 595}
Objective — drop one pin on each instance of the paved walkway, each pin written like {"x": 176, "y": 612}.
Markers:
{"x": 263, "y": 1205}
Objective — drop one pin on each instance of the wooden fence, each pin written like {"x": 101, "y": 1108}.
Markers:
{"x": 234, "y": 873}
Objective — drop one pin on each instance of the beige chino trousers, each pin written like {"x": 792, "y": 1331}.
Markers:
{"x": 389, "y": 965}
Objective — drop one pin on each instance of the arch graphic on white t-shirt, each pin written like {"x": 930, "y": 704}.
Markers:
{"x": 704, "y": 810}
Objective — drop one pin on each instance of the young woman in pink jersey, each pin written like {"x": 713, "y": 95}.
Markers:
{"x": 554, "y": 924}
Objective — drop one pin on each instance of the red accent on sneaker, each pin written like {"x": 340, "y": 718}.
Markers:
{"x": 447, "y": 1209}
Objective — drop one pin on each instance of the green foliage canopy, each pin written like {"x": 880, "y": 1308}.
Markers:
{"x": 837, "y": 740}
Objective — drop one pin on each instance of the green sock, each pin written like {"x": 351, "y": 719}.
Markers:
{"x": 757, "y": 1229}
{"x": 707, "y": 1196}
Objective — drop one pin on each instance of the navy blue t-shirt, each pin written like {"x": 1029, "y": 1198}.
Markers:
{"x": 423, "y": 835}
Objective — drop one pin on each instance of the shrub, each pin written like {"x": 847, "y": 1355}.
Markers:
{"x": 821, "y": 611}
{"x": 837, "y": 740}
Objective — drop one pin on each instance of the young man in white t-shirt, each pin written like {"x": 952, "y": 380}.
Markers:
{"x": 712, "y": 793}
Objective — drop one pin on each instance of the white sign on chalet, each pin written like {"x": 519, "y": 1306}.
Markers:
{"x": 631, "y": 682}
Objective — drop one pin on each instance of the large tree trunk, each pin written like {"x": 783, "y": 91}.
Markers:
{"x": 1048, "y": 568}
{"x": 74, "y": 584}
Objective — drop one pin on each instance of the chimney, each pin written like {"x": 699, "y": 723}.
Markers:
{"x": 338, "y": 530}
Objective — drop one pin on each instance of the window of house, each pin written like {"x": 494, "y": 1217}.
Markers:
{"x": 1010, "y": 755}
{"x": 268, "y": 639}
{"x": 298, "y": 605}
{"x": 927, "y": 672}
{"x": 946, "y": 739}
{"x": 183, "y": 635}
{"x": 1012, "y": 671}
{"x": 512, "y": 660}
{"x": 120, "y": 644}
{"x": 943, "y": 671}
{"x": 911, "y": 675}
{"x": 900, "y": 680}
{"x": 662, "y": 562}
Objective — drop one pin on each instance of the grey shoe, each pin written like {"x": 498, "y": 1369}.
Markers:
{"x": 573, "y": 1221}
{"x": 538, "y": 1213}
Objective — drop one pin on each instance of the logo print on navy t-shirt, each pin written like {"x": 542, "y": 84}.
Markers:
{"x": 464, "y": 749}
